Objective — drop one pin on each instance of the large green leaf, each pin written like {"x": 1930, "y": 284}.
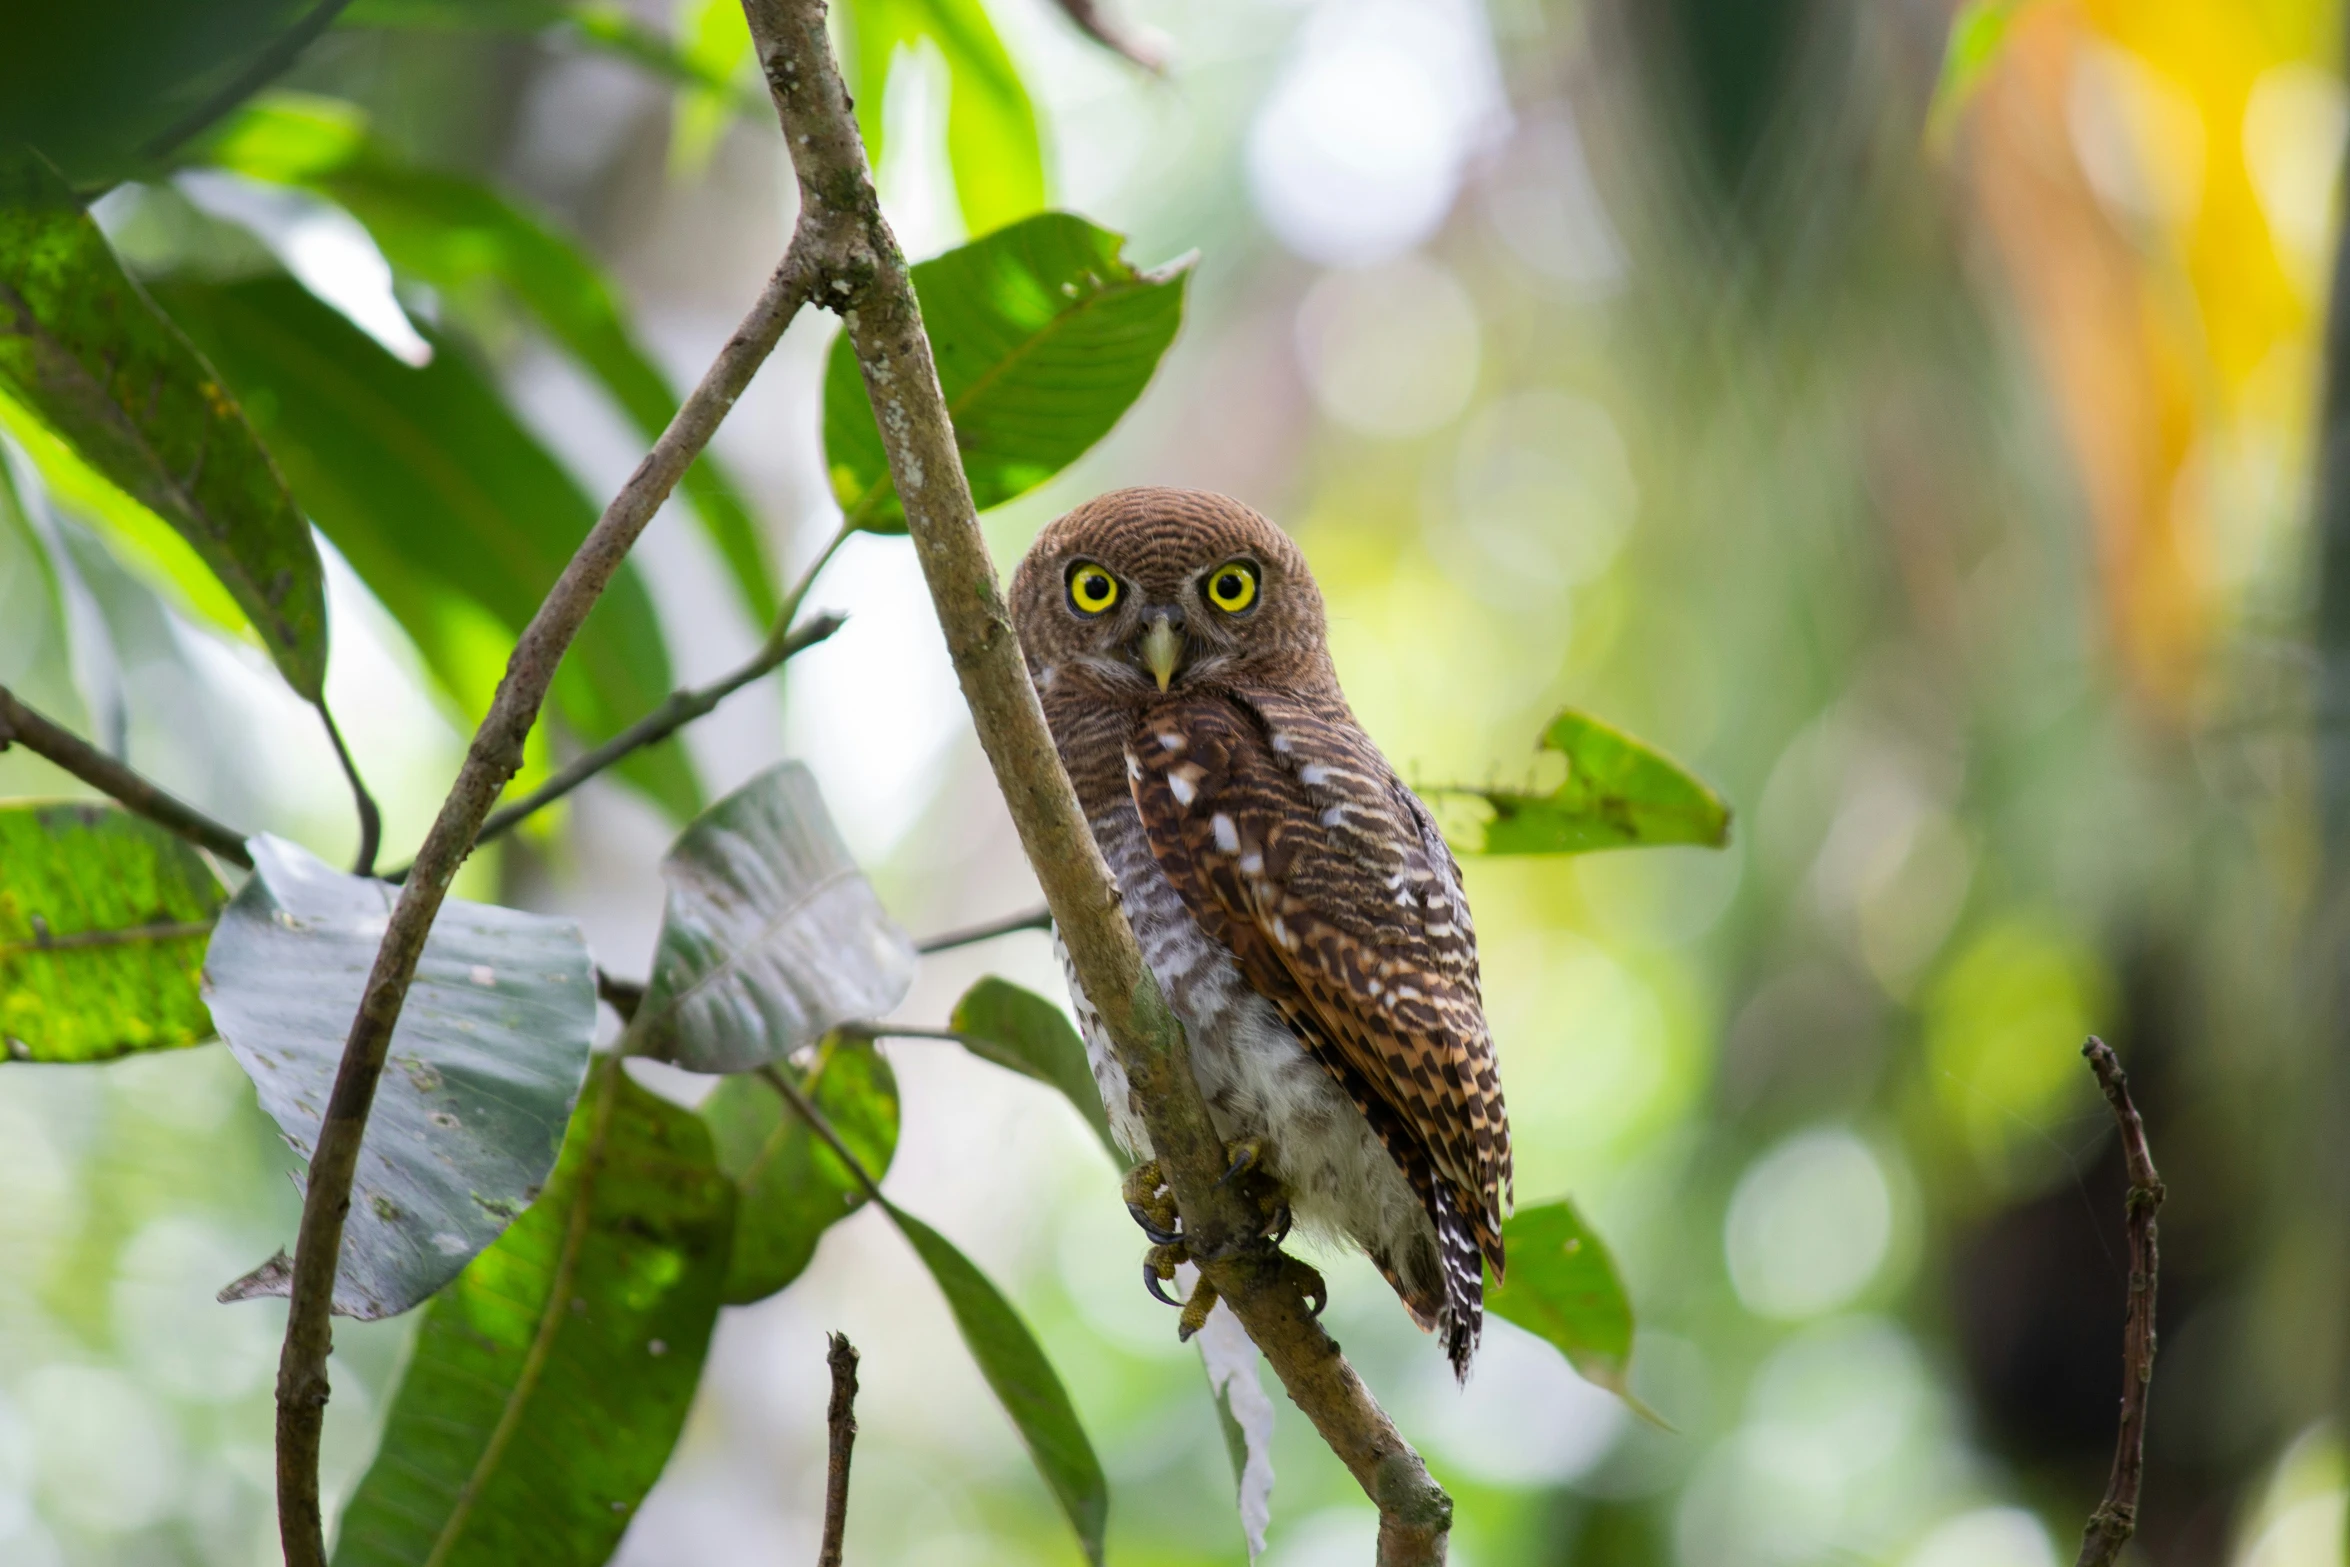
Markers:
{"x": 84, "y": 348}
{"x": 1618, "y": 792}
{"x": 1563, "y": 1287}
{"x": 1044, "y": 336}
{"x": 106, "y": 87}
{"x": 441, "y": 500}
{"x": 599, "y": 24}
{"x": 993, "y": 146}
{"x": 771, "y": 937}
{"x": 550, "y": 1382}
{"x": 462, "y": 237}
{"x": 793, "y": 1187}
{"x": 484, "y": 1063}
{"x": 103, "y": 918}
{"x": 1020, "y": 1029}
{"x": 1024, "y": 1381}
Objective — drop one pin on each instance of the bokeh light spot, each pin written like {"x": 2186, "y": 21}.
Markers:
{"x": 1809, "y": 1225}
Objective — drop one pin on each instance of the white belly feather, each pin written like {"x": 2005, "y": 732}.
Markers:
{"x": 1258, "y": 1080}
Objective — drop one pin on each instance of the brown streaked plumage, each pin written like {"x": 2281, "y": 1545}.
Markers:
{"x": 1290, "y": 893}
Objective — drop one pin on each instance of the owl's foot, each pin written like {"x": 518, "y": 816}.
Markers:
{"x": 1240, "y": 1158}
{"x": 1153, "y": 1205}
{"x": 1309, "y": 1282}
{"x": 1158, "y": 1267}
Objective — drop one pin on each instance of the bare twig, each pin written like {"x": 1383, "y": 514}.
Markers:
{"x": 2116, "y": 1517}
{"x": 1034, "y": 919}
{"x": 840, "y": 1420}
{"x": 491, "y": 760}
{"x": 680, "y": 709}
{"x": 867, "y": 282}
{"x": 20, "y": 725}
{"x": 371, "y": 823}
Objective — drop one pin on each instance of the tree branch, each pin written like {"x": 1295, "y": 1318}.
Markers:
{"x": 840, "y": 1420}
{"x": 2116, "y": 1517}
{"x": 20, "y": 725}
{"x": 867, "y": 283}
{"x": 489, "y": 763}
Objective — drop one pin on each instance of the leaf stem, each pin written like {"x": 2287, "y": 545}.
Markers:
{"x": 371, "y": 826}
{"x": 491, "y": 760}
{"x": 875, "y": 297}
{"x": 19, "y": 724}
{"x": 793, "y": 1095}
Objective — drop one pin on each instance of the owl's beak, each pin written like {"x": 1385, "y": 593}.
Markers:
{"x": 1162, "y": 646}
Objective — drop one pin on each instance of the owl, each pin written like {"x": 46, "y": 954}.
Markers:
{"x": 1294, "y": 899}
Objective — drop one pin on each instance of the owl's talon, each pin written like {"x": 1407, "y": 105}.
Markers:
{"x": 1153, "y": 1206}
{"x": 1310, "y": 1284}
{"x": 1244, "y": 1156}
{"x": 1150, "y": 1227}
{"x": 1158, "y": 1266}
{"x": 1150, "y": 1281}
{"x": 1195, "y": 1310}
{"x": 1281, "y": 1222}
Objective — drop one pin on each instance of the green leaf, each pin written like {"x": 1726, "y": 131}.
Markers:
{"x": 1019, "y": 1029}
{"x": 599, "y": 24}
{"x": 1617, "y": 793}
{"x": 1024, "y": 1381}
{"x": 103, "y": 917}
{"x": 445, "y": 505}
{"x": 551, "y": 1381}
{"x": 1045, "y": 336}
{"x": 83, "y": 347}
{"x": 463, "y": 238}
{"x": 107, "y": 87}
{"x": 483, "y": 1068}
{"x": 714, "y": 38}
{"x": 1563, "y": 1287}
{"x": 771, "y": 937}
{"x": 793, "y": 1187}
{"x": 992, "y": 143}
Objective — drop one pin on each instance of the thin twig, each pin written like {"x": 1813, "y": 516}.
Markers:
{"x": 1034, "y": 919}
{"x": 21, "y": 725}
{"x": 2116, "y": 1517}
{"x": 840, "y": 1419}
{"x": 680, "y": 709}
{"x": 490, "y": 762}
{"x": 797, "y": 1097}
{"x": 371, "y": 822}
{"x": 870, "y": 287}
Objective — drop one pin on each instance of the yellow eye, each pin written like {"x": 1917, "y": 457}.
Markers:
{"x": 1092, "y": 590}
{"x": 1232, "y": 587}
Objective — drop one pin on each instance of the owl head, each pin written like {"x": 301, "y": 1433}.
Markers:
{"x": 1143, "y": 591}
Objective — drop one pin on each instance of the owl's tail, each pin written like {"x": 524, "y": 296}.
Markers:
{"x": 1461, "y": 1319}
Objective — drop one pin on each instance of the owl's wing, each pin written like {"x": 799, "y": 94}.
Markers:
{"x": 1291, "y": 840}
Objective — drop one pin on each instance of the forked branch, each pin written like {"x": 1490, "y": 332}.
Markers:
{"x": 490, "y": 762}
{"x": 2116, "y": 1517}
{"x": 867, "y": 282}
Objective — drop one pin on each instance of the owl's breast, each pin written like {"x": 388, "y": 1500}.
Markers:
{"x": 1259, "y": 1081}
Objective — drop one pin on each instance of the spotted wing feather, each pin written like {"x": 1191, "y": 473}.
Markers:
{"x": 1292, "y": 842}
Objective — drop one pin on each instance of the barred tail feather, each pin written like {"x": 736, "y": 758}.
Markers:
{"x": 1462, "y": 1260}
